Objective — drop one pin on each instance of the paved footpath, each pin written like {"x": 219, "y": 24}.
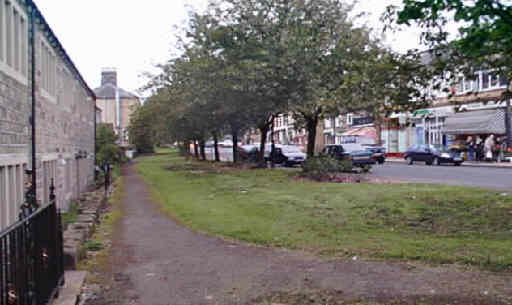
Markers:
{"x": 159, "y": 262}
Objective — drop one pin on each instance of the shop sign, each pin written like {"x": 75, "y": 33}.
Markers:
{"x": 481, "y": 106}
{"x": 362, "y": 121}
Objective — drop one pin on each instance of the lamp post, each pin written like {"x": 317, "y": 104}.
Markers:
{"x": 508, "y": 131}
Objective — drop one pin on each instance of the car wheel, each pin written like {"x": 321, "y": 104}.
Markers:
{"x": 381, "y": 161}
{"x": 428, "y": 162}
{"x": 437, "y": 161}
{"x": 409, "y": 160}
{"x": 457, "y": 163}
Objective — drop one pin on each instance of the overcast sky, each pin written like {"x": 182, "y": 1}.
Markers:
{"x": 132, "y": 35}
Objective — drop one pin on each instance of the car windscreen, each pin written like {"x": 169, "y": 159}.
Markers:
{"x": 290, "y": 149}
{"x": 441, "y": 149}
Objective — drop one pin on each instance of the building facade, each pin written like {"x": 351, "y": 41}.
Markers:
{"x": 432, "y": 125}
{"x": 63, "y": 116}
{"x": 116, "y": 104}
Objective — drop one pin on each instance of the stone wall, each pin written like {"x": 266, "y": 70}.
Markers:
{"x": 14, "y": 116}
{"x": 64, "y": 128}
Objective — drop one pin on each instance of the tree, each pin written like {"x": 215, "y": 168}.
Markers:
{"x": 485, "y": 34}
{"x": 142, "y": 133}
{"x": 107, "y": 151}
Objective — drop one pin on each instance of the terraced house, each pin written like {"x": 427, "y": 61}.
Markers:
{"x": 47, "y": 114}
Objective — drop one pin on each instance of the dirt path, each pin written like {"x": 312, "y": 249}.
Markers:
{"x": 159, "y": 262}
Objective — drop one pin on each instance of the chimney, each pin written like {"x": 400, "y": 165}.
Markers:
{"x": 109, "y": 76}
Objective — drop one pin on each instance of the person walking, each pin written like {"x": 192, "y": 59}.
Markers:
{"x": 488, "y": 147}
{"x": 479, "y": 149}
{"x": 499, "y": 149}
{"x": 470, "y": 145}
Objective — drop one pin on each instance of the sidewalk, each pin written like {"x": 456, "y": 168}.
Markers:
{"x": 466, "y": 163}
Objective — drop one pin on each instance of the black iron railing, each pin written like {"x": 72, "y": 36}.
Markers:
{"x": 31, "y": 257}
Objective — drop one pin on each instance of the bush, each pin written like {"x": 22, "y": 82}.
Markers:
{"x": 321, "y": 166}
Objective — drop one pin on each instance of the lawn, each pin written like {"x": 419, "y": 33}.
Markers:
{"x": 430, "y": 223}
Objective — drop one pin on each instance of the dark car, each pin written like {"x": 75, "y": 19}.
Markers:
{"x": 248, "y": 152}
{"x": 288, "y": 155}
{"x": 359, "y": 156}
{"x": 431, "y": 154}
{"x": 378, "y": 153}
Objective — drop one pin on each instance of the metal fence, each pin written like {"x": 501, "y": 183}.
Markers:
{"x": 31, "y": 258}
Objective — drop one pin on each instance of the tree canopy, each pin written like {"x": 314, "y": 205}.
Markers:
{"x": 246, "y": 61}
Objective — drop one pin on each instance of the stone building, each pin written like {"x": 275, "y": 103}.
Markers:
{"x": 116, "y": 104}
{"x": 63, "y": 117}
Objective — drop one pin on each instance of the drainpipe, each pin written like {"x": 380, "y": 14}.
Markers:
{"x": 508, "y": 131}
{"x": 118, "y": 112}
{"x": 33, "y": 98}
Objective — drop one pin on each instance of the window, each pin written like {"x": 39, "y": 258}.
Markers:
{"x": 13, "y": 37}
{"x": 2, "y": 29}
{"x": 8, "y": 32}
{"x": 11, "y": 193}
{"x": 48, "y": 70}
{"x": 350, "y": 118}
{"x": 327, "y": 123}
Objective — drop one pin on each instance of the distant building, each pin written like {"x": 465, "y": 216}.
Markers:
{"x": 116, "y": 104}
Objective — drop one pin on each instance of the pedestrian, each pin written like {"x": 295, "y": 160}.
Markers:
{"x": 499, "y": 149}
{"x": 488, "y": 147}
{"x": 470, "y": 145}
{"x": 479, "y": 148}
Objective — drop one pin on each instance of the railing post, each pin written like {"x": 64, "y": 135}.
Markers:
{"x": 52, "y": 191}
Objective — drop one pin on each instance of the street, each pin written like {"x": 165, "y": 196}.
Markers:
{"x": 493, "y": 178}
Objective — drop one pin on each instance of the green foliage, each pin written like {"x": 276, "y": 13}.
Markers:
{"x": 141, "y": 131}
{"x": 93, "y": 245}
{"x": 70, "y": 216}
{"x": 107, "y": 151}
{"x": 484, "y": 31}
{"x": 244, "y": 62}
{"x": 320, "y": 166}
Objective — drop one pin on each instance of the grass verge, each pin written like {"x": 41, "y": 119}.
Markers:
{"x": 429, "y": 223}
{"x": 70, "y": 216}
{"x": 99, "y": 265}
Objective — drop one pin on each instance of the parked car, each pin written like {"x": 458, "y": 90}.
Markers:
{"x": 378, "y": 153}
{"x": 249, "y": 152}
{"x": 431, "y": 154}
{"x": 288, "y": 155}
{"x": 355, "y": 152}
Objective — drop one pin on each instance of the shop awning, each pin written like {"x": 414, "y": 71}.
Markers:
{"x": 476, "y": 122}
{"x": 421, "y": 112}
{"x": 367, "y": 132}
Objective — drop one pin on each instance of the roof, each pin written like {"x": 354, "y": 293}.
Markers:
{"x": 108, "y": 92}
{"x": 55, "y": 43}
{"x": 476, "y": 122}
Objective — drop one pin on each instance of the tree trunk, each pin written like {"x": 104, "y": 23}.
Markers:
{"x": 311, "y": 124}
{"x": 272, "y": 146}
{"x": 202, "y": 149}
{"x": 186, "y": 148}
{"x": 216, "y": 147}
{"x": 196, "y": 149}
{"x": 234, "y": 134}
{"x": 508, "y": 131}
{"x": 378, "y": 130}
{"x": 263, "y": 142}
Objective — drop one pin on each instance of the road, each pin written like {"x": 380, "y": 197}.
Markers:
{"x": 493, "y": 178}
